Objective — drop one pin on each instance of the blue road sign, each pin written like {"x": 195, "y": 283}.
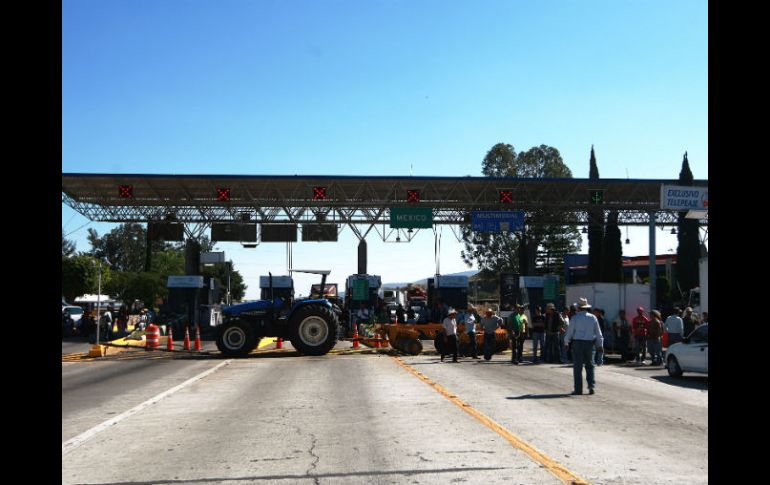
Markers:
{"x": 497, "y": 221}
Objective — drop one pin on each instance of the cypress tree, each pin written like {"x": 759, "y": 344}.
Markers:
{"x": 595, "y": 230}
{"x": 688, "y": 250}
{"x": 612, "y": 251}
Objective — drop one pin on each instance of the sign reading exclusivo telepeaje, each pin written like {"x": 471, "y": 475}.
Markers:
{"x": 684, "y": 197}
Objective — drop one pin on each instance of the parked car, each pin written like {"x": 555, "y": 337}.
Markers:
{"x": 691, "y": 354}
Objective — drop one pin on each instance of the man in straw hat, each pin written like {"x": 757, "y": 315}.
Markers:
{"x": 489, "y": 324}
{"x": 586, "y": 338}
{"x": 450, "y": 328}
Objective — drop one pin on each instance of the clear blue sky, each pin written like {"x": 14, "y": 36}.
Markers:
{"x": 374, "y": 87}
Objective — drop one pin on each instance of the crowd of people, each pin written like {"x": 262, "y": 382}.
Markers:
{"x": 112, "y": 323}
{"x": 578, "y": 335}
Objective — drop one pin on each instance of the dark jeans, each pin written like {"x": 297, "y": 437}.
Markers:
{"x": 451, "y": 346}
{"x": 520, "y": 346}
{"x": 674, "y": 338}
{"x": 640, "y": 347}
{"x": 517, "y": 348}
{"x": 538, "y": 339}
{"x": 472, "y": 344}
{"x": 583, "y": 355}
{"x": 489, "y": 345}
{"x": 552, "y": 348}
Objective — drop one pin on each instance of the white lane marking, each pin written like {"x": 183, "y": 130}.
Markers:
{"x": 78, "y": 440}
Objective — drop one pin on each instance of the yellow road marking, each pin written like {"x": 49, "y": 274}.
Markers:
{"x": 556, "y": 469}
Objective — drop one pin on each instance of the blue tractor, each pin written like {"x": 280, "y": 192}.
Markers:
{"x": 310, "y": 324}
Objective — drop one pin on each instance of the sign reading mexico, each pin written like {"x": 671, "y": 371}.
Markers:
{"x": 411, "y": 218}
{"x": 684, "y": 197}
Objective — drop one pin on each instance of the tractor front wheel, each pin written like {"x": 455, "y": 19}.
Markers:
{"x": 236, "y": 339}
{"x": 313, "y": 330}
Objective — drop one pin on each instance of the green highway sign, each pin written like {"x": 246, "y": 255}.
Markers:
{"x": 411, "y": 218}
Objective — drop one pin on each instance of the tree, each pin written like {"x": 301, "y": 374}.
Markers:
{"x": 79, "y": 275}
{"x": 688, "y": 249}
{"x": 612, "y": 251}
{"x": 123, "y": 246}
{"x": 67, "y": 246}
{"x": 237, "y": 286}
{"x": 518, "y": 252}
{"x": 595, "y": 230}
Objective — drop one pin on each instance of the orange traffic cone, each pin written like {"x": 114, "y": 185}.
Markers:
{"x": 170, "y": 342}
{"x": 355, "y": 336}
{"x": 197, "y": 338}
{"x": 279, "y": 343}
{"x": 376, "y": 340}
{"x": 186, "y": 338}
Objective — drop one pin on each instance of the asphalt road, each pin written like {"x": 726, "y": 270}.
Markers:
{"x": 276, "y": 417}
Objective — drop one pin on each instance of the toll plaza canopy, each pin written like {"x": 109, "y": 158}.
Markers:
{"x": 291, "y": 199}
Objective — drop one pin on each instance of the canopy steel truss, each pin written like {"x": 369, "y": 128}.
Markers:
{"x": 201, "y": 199}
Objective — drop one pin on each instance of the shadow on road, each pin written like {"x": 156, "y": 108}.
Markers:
{"x": 690, "y": 382}
{"x": 540, "y": 396}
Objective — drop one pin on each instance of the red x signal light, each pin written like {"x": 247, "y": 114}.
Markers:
{"x": 413, "y": 196}
{"x": 126, "y": 191}
{"x": 319, "y": 193}
{"x": 506, "y": 196}
{"x": 223, "y": 194}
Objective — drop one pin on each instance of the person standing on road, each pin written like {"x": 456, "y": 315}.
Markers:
{"x": 563, "y": 353}
{"x": 470, "y": 329}
{"x": 515, "y": 327}
{"x": 639, "y": 327}
{"x": 524, "y": 324}
{"x": 599, "y": 314}
{"x": 450, "y": 329}
{"x": 106, "y": 322}
{"x": 553, "y": 327}
{"x": 622, "y": 330}
{"x": 674, "y": 327}
{"x": 654, "y": 332}
{"x": 689, "y": 321}
{"x": 538, "y": 335}
{"x": 489, "y": 324}
{"x": 586, "y": 337}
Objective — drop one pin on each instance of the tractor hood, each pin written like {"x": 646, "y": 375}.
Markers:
{"x": 252, "y": 306}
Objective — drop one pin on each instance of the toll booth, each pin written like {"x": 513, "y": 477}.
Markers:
{"x": 192, "y": 300}
{"x": 361, "y": 288}
{"x": 283, "y": 287}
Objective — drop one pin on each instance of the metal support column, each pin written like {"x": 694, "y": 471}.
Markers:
{"x": 653, "y": 266}
{"x": 362, "y": 256}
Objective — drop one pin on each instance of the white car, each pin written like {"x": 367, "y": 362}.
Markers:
{"x": 691, "y": 354}
{"x": 73, "y": 312}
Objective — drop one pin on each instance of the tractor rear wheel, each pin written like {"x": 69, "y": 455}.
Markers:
{"x": 313, "y": 330}
{"x": 236, "y": 339}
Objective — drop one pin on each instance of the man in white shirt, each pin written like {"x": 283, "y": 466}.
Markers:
{"x": 470, "y": 329}
{"x": 450, "y": 329}
{"x": 586, "y": 338}
{"x": 674, "y": 326}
